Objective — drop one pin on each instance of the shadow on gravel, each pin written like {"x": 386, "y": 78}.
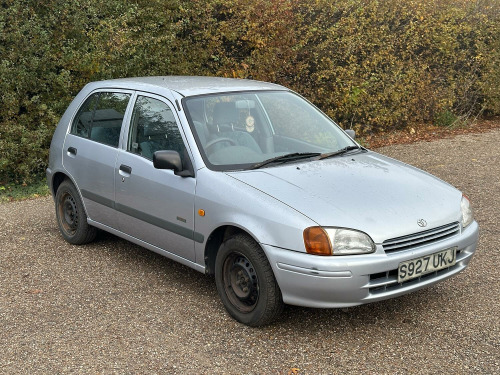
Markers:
{"x": 201, "y": 288}
{"x": 308, "y": 320}
{"x": 151, "y": 262}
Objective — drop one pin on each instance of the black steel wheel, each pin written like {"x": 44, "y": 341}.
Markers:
{"x": 246, "y": 283}
{"x": 71, "y": 216}
{"x": 241, "y": 284}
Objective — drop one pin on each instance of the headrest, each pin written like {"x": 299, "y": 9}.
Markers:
{"x": 105, "y": 117}
{"x": 225, "y": 113}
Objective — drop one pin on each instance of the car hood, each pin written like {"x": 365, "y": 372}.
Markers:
{"x": 365, "y": 191}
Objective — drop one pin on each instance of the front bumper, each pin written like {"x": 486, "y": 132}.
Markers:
{"x": 342, "y": 281}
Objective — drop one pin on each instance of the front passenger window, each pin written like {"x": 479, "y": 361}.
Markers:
{"x": 153, "y": 129}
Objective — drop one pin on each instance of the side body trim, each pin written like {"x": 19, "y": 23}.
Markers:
{"x": 153, "y": 220}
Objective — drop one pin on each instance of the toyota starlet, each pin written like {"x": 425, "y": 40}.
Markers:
{"x": 251, "y": 183}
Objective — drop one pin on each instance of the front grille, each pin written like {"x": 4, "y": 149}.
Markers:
{"x": 421, "y": 238}
{"x": 383, "y": 282}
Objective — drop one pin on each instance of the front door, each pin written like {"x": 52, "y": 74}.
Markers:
{"x": 153, "y": 205}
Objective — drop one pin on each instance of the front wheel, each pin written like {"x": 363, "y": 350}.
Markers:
{"x": 71, "y": 216}
{"x": 246, "y": 283}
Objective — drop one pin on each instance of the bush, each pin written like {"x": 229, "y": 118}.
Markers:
{"x": 371, "y": 65}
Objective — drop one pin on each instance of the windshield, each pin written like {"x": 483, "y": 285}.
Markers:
{"x": 244, "y": 129}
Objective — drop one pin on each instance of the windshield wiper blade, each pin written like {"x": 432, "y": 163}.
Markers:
{"x": 286, "y": 158}
{"x": 339, "y": 152}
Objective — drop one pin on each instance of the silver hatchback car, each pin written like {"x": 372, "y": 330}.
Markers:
{"x": 250, "y": 182}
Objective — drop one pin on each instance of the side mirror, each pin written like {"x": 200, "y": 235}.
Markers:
{"x": 351, "y": 133}
{"x": 167, "y": 160}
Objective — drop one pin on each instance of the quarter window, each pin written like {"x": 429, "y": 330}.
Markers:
{"x": 153, "y": 129}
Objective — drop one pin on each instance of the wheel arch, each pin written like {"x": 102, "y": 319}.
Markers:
{"x": 215, "y": 239}
{"x": 57, "y": 179}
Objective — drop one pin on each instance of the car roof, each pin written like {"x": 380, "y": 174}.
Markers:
{"x": 189, "y": 85}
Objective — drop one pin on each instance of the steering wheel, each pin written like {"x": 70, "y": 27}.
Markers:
{"x": 217, "y": 140}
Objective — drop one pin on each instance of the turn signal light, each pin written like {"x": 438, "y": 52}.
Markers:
{"x": 316, "y": 241}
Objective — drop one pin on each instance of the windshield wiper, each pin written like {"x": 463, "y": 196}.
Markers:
{"x": 286, "y": 158}
{"x": 339, "y": 152}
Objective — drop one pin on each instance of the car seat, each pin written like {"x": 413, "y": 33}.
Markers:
{"x": 155, "y": 139}
{"x": 226, "y": 125}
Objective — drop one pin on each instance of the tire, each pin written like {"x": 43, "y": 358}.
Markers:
{"x": 71, "y": 216}
{"x": 246, "y": 283}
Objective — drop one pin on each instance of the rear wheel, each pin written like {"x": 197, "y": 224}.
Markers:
{"x": 71, "y": 216}
{"x": 246, "y": 283}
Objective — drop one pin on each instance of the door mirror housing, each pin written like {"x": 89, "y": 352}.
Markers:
{"x": 167, "y": 160}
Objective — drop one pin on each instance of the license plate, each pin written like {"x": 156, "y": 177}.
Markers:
{"x": 420, "y": 266}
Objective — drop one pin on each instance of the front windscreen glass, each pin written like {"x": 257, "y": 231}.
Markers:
{"x": 248, "y": 129}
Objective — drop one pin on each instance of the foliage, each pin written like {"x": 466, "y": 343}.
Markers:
{"x": 445, "y": 118}
{"x": 15, "y": 192}
{"x": 371, "y": 65}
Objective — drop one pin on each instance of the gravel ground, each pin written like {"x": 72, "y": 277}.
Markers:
{"x": 112, "y": 307}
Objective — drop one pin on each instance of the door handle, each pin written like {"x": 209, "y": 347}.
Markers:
{"x": 72, "y": 150}
{"x": 126, "y": 168}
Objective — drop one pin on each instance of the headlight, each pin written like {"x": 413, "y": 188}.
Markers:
{"x": 467, "y": 215}
{"x": 337, "y": 241}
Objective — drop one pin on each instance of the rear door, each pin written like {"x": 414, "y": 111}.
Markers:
{"x": 91, "y": 148}
{"x": 153, "y": 205}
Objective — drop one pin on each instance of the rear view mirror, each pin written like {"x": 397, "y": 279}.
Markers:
{"x": 245, "y": 104}
{"x": 351, "y": 133}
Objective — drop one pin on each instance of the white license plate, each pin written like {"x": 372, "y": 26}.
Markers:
{"x": 420, "y": 266}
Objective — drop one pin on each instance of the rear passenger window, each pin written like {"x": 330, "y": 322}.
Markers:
{"x": 108, "y": 118}
{"x": 83, "y": 119}
{"x": 101, "y": 116}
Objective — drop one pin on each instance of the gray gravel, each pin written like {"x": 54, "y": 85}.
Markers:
{"x": 112, "y": 307}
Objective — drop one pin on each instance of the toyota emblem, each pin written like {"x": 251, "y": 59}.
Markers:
{"x": 422, "y": 223}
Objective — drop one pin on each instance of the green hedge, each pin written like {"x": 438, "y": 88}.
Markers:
{"x": 371, "y": 65}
